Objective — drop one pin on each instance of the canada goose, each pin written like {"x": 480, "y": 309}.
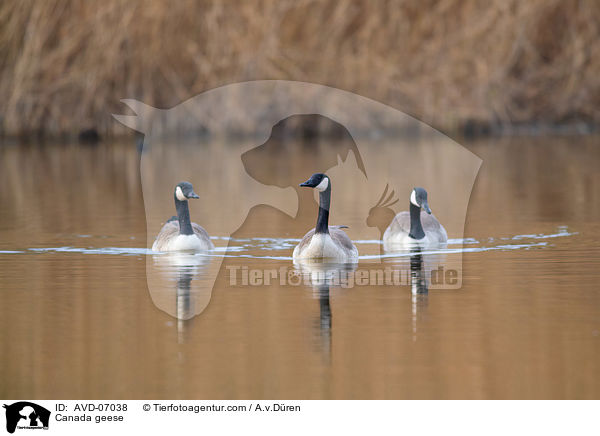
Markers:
{"x": 179, "y": 233}
{"x": 325, "y": 241}
{"x": 415, "y": 228}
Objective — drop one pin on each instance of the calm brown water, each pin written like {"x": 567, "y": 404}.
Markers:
{"x": 79, "y": 319}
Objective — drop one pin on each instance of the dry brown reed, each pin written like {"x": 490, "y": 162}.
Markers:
{"x": 65, "y": 64}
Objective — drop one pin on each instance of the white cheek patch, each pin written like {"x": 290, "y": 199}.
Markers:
{"x": 413, "y": 198}
{"x": 179, "y": 194}
{"x": 323, "y": 185}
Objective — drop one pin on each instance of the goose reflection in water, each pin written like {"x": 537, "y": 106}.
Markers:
{"x": 418, "y": 276}
{"x": 322, "y": 277}
{"x": 419, "y": 288}
{"x": 177, "y": 271}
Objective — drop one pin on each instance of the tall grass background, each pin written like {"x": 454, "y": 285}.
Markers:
{"x": 65, "y": 64}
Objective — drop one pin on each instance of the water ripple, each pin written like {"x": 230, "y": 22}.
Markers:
{"x": 239, "y": 247}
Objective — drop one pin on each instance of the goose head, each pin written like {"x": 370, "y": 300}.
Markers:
{"x": 319, "y": 181}
{"x": 418, "y": 197}
{"x": 184, "y": 191}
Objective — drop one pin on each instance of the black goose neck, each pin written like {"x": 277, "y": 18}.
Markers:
{"x": 416, "y": 229}
{"x": 324, "y": 203}
{"x": 183, "y": 216}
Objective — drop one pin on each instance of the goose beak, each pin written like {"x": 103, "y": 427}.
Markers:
{"x": 426, "y": 207}
{"x": 304, "y": 184}
{"x": 193, "y": 195}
